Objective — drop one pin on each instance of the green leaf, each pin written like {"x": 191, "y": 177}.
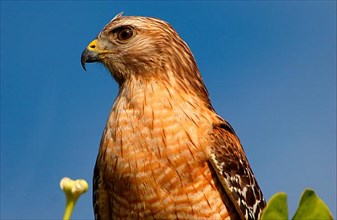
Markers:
{"x": 277, "y": 208}
{"x": 312, "y": 207}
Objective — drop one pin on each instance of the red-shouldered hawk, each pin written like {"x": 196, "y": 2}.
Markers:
{"x": 165, "y": 153}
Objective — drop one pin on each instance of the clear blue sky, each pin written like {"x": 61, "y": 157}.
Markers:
{"x": 270, "y": 68}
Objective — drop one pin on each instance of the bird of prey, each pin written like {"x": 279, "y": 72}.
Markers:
{"x": 165, "y": 153}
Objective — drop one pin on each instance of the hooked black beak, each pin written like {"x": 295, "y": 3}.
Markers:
{"x": 91, "y": 53}
{"x": 88, "y": 56}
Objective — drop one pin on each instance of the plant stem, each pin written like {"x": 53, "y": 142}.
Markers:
{"x": 70, "y": 204}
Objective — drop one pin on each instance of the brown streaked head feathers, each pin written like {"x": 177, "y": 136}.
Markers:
{"x": 145, "y": 48}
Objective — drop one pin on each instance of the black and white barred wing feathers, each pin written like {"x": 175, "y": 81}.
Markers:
{"x": 233, "y": 171}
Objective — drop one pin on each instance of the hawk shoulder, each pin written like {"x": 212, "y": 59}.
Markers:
{"x": 228, "y": 160}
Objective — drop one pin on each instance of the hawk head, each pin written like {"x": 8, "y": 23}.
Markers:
{"x": 133, "y": 47}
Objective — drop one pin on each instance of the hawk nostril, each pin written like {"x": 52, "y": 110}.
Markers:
{"x": 92, "y": 46}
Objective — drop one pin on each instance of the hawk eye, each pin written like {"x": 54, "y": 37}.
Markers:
{"x": 124, "y": 33}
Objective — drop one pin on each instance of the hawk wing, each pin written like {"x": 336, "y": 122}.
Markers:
{"x": 101, "y": 202}
{"x": 228, "y": 161}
